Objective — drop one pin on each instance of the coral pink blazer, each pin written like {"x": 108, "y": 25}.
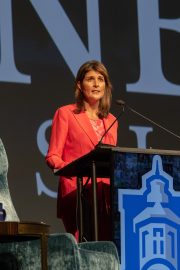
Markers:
{"x": 72, "y": 136}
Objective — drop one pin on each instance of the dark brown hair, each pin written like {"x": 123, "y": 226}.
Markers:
{"x": 105, "y": 102}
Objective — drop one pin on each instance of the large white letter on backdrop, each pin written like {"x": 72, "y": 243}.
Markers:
{"x": 141, "y": 134}
{"x": 64, "y": 34}
{"x": 8, "y": 70}
{"x": 151, "y": 78}
{"x": 43, "y": 147}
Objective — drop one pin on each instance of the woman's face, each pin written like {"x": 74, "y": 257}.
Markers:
{"x": 93, "y": 86}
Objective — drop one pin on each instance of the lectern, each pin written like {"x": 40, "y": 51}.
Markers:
{"x": 125, "y": 167}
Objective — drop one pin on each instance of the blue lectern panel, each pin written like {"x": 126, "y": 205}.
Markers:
{"x": 146, "y": 210}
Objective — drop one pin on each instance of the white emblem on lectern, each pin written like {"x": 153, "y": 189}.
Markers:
{"x": 150, "y": 222}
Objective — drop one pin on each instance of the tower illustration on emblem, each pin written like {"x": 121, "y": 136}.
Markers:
{"x": 150, "y": 222}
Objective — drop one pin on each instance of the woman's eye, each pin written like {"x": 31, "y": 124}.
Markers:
{"x": 89, "y": 79}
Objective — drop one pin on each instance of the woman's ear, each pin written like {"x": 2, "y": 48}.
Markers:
{"x": 79, "y": 86}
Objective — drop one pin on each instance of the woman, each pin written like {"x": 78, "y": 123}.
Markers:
{"x": 76, "y": 130}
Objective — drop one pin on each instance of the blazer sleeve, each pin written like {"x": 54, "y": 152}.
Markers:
{"x": 58, "y": 137}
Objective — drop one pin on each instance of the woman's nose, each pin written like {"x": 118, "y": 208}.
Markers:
{"x": 96, "y": 82}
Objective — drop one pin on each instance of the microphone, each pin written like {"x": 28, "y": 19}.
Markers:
{"x": 122, "y": 103}
{"x": 122, "y": 111}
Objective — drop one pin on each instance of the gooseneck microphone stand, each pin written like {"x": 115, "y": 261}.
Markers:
{"x": 122, "y": 103}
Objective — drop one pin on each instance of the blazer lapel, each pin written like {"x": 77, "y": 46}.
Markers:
{"x": 107, "y": 124}
{"x": 85, "y": 124}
